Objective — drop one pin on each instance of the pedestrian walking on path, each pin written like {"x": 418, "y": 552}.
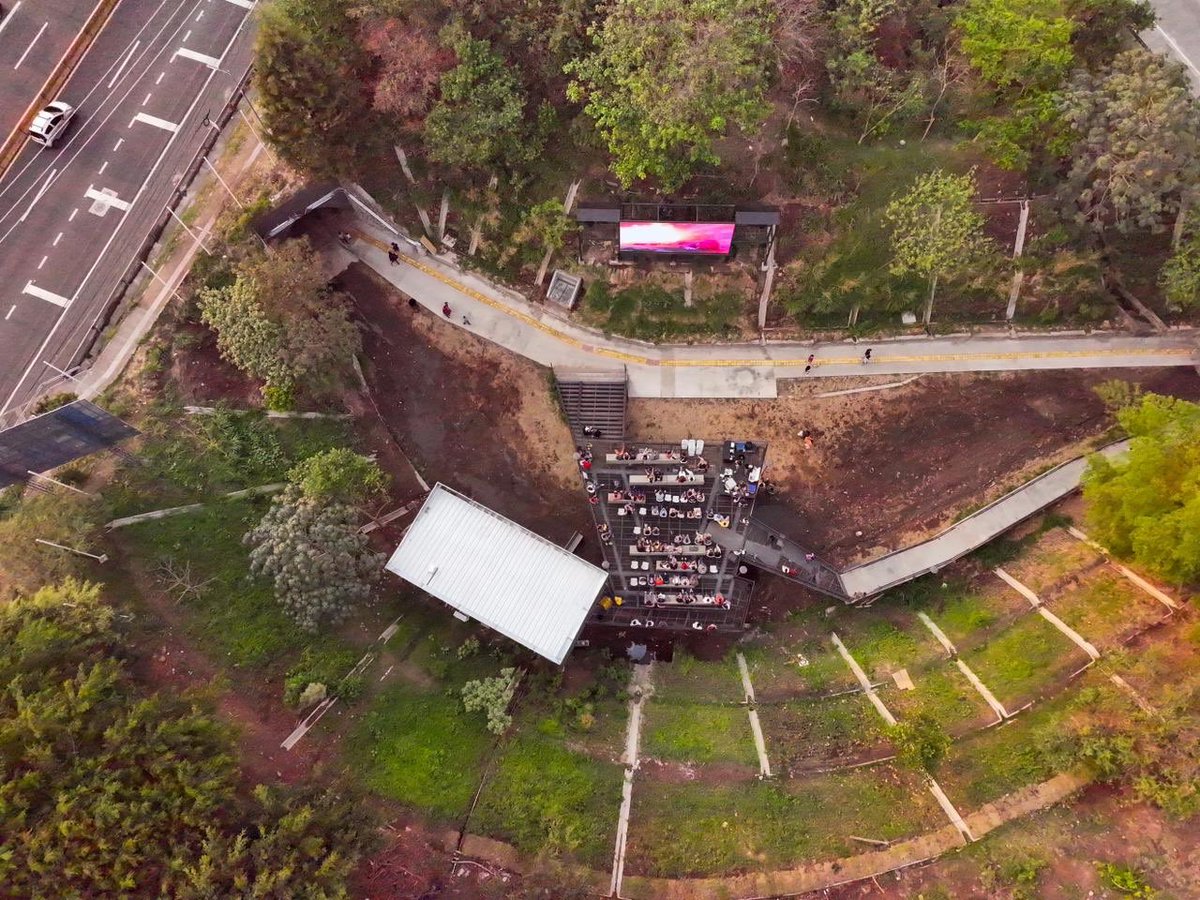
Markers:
{"x": 395, "y": 248}
{"x": 446, "y": 310}
{"x": 866, "y": 356}
{"x": 466, "y": 321}
{"x": 345, "y": 237}
{"x": 811, "y": 357}
{"x": 808, "y": 368}
{"x": 393, "y": 258}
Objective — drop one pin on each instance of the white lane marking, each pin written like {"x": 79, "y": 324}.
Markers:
{"x": 38, "y": 196}
{"x": 148, "y": 96}
{"x": 244, "y": 4}
{"x": 103, "y": 166}
{"x": 45, "y": 25}
{"x": 199, "y": 15}
{"x": 117, "y": 145}
{"x": 42, "y": 294}
{"x": 124, "y": 62}
{"x": 159, "y": 79}
{"x": 43, "y": 262}
{"x": 57, "y": 239}
{"x": 187, "y": 35}
{"x": 211, "y": 61}
{"x": 71, "y": 217}
{"x": 12, "y": 12}
{"x": 14, "y": 306}
{"x": 105, "y": 198}
{"x": 155, "y": 121}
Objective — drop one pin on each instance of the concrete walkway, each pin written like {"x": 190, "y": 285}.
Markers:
{"x": 547, "y": 336}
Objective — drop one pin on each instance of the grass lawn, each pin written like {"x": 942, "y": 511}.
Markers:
{"x": 820, "y": 731}
{"x": 943, "y": 692}
{"x": 697, "y": 733}
{"x": 881, "y": 646}
{"x": 1054, "y": 557}
{"x": 419, "y": 747}
{"x": 967, "y": 615}
{"x": 987, "y": 765}
{"x": 1024, "y": 660}
{"x": 690, "y": 680}
{"x": 697, "y": 829}
{"x": 542, "y": 797}
{"x": 654, "y": 312}
{"x": 1105, "y": 608}
{"x": 235, "y": 618}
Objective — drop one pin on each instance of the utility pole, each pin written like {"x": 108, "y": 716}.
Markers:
{"x": 103, "y": 557}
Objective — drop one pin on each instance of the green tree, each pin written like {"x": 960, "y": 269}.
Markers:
{"x": 279, "y": 321}
{"x": 545, "y": 224}
{"x": 339, "y": 474}
{"x": 921, "y": 742}
{"x": 1180, "y": 275}
{"x": 936, "y": 231}
{"x": 1023, "y": 44}
{"x": 107, "y": 791}
{"x": 1136, "y": 141}
{"x": 667, "y": 77}
{"x": 492, "y": 696}
{"x": 1146, "y": 506}
{"x": 312, "y": 551}
{"x": 478, "y": 120}
{"x": 308, "y": 70}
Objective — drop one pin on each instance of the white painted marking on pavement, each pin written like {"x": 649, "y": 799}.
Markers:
{"x": 211, "y": 61}
{"x": 105, "y": 198}
{"x": 38, "y": 196}
{"x": 244, "y": 4}
{"x": 117, "y": 145}
{"x": 43, "y": 262}
{"x": 71, "y": 217}
{"x": 13, "y": 309}
{"x": 148, "y": 96}
{"x": 199, "y": 15}
{"x": 42, "y": 294}
{"x": 12, "y": 12}
{"x": 124, "y": 62}
{"x": 159, "y": 79}
{"x": 45, "y": 25}
{"x": 187, "y": 35}
{"x": 57, "y": 239}
{"x": 1178, "y": 50}
{"x": 103, "y": 166}
{"x": 156, "y": 122}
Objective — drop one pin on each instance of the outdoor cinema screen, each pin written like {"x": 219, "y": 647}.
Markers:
{"x": 708, "y": 238}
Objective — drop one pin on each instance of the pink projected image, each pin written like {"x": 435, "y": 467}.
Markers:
{"x": 709, "y": 238}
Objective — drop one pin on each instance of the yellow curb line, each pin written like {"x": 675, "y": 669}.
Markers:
{"x": 58, "y": 76}
{"x": 759, "y": 362}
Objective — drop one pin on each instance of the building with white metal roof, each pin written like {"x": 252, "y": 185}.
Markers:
{"x": 498, "y": 572}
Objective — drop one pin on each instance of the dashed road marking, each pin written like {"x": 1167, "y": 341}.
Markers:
{"x": 159, "y": 79}
{"x": 148, "y": 96}
{"x": 117, "y": 145}
{"x": 11, "y": 310}
{"x": 103, "y": 166}
{"x": 124, "y": 62}
{"x": 71, "y": 217}
{"x": 199, "y": 15}
{"x": 42, "y": 294}
{"x": 4, "y": 24}
{"x": 36, "y": 38}
{"x": 211, "y": 61}
{"x": 187, "y": 35}
{"x": 38, "y": 196}
{"x": 42, "y": 263}
{"x": 57, "y": 239}
{"x": 155, "y": 121}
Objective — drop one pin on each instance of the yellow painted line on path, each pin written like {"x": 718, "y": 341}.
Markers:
{"x": 635, "y": 359}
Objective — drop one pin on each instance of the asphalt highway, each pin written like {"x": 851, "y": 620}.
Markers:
{"x": 1177, "y": 34}
{"x": 72, "y": 218}
{"x": 34, "y": 34}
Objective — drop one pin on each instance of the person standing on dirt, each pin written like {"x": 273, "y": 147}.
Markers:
{"x": 446, "y": 311}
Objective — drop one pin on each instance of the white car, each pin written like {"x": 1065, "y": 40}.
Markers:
{"x": 51, "y": 123}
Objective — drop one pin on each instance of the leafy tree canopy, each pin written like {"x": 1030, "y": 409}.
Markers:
{"x": 1180, "y": 276}
{"x": 339, "y": 474}
{"x": 1024, "y": 44}
{"x": 311, "y": 549}
{"x": 1147, "y": 506}
{"x": 667, "y": 77}
{"x": 107, "y": 791}
{"x": 279, "y": 321}
{"x": 67, "y": 519}
{"x": 1136, "y": 128}
{"x": 935, "y": 229}
{"x": 479, "y": 119}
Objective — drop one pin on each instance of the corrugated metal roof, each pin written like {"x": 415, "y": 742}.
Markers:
{"x": 496, "y": 571}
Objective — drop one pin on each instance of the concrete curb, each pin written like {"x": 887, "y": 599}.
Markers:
{"x": 62, "y": 71}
